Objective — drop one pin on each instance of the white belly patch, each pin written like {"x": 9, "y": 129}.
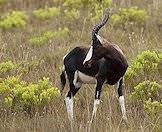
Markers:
{"x": 85, "y": 78}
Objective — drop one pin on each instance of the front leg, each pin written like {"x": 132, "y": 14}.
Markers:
{"x": 100, "y": 82}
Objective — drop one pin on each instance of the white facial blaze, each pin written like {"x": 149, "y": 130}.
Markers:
{"x": 122, "y": 105}
{"x": 89, "y": 55}
{"x": 99, "y": 38}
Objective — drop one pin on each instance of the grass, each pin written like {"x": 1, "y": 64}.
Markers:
{"x": 14, "y": 46}
{"x": 108, "y": 117}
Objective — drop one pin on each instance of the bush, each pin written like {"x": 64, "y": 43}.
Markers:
{"x": 145, "y": 90}
{"x": 47, "y": 13}
{"x": 145, "y": 64}
{"x": 3, "y": 1}
{"x": 42, "y": 39}
{"x": 77, "y": 4}
{"x": 21, "y": 96}
{"x": 153, "y": 107}
{"x": 45, "y": 37}
{"x": 127, "y": 16}
{"x": 15, "y": 19}
{"x": 96, "y": 12}
{"x": 7, "y": 66}
{"x": 73, "y": 4}
{"x": 148, "y": 94}
{"x": 71, "y": 14}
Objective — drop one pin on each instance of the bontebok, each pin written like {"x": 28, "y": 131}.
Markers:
{"x": 103, "y": 62}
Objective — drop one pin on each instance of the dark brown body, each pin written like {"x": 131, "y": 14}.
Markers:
{"x": 113, "y": 65}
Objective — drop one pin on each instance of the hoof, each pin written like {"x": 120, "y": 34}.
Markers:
{"x": 125, "y": 120}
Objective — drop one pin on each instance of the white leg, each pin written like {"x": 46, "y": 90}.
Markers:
{"x": 69, "y": 107}
{"x": 122, "y": 106}
{"x": 96, "y": 103}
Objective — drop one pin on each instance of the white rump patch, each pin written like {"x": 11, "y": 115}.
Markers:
{"x": 69, "y": 107}
{"x": 83, "y": 78}
{"x": 122, "y": 105}
{"x": 89, "y": 55}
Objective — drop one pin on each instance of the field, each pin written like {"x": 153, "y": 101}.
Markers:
{"x": 34, "y": 37}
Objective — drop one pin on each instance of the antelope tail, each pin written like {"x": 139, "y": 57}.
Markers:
{"x": 63, "y": 80}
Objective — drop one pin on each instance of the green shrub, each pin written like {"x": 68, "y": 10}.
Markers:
{"x": 145, "y": 90}
{"x": 148, "y": 94}
{"x": 77, "y": 4}
{"x": 45, "y": 37}
{"x": 73, "y": 4}
{"x": 160, "y": 65}
{"x": 146, "y": 63}
{"x": 62, "y": 33}
{"x": 7, "y": 66}
{"x": 96, "y": 12}
{"x": 3, "y": 2}
{"x": 15, "y": 19}
{"x": 71, "y": 14}
{"x": 153, "y": 107}
{"x": 132, "y": 15}
{"x": 42, "y": 39}
{"x": 21, "y": 96}
{"x": 145, "y": 66}
{"x": 47, "y": 13}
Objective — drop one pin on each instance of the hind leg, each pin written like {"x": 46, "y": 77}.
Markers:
{"x": 70, "y": 94}
{"x": 121, "y": 99}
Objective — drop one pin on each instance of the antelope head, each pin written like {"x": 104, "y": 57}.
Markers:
{"x": 96, "y": 50}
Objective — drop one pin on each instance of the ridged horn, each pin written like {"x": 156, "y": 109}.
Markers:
{"x": 99, "y": 25}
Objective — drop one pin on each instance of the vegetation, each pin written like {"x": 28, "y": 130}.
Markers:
{"x": 127, "y": 16}
{"x": 34, "y": 37}
{"x": 3, "y": 1}
{"x": 20, "y": 96}
{"x": 46, "y": 13}
{"x": 14, "y": 19}
{"x": 149, "y": 95}
{"x": 48, "y": 35}
{"x": 7, "y": 66}
{"x": 146, "y": 63}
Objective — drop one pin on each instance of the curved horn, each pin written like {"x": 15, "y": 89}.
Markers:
{"x": 98, "y": 26}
